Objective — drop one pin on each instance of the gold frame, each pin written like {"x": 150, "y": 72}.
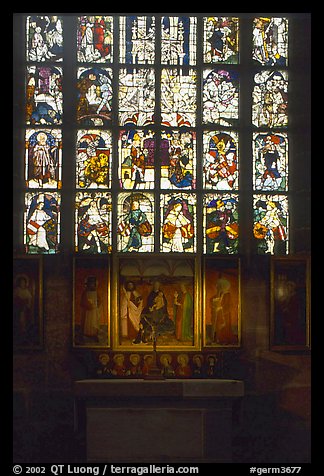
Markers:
{"x": 220, "y": 265}
{"x": 85, "y": 266}
{"x": 30, "y": 268}
{"x": 287, "y": 274}
{"x": 149, "y": 266}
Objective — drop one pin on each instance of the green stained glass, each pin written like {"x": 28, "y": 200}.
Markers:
{"x": 135, "y": 230}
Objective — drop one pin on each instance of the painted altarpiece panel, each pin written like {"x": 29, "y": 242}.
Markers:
{"x": 221, "y": 303}
{"x": 290, "y": 304}
{"x": 160, "y": 294}
{"x": 27, "y": 303}
{"x": 91, "y": 301}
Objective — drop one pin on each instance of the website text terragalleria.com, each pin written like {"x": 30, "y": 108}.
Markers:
{"x": 57, "y": 469}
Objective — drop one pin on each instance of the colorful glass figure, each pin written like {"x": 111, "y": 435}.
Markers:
{"x": 137, "y": 39}
{"x": 221, "y": 40}
{"x": 178, "y": 223}
{"x": 94, "y": 96}
{"x": 270, "y": 41}
{"x": 136, "y": 159}
{"x": 42, "y": 222}
{"x": 270, "y": 99}
{"x": 271, "y": 220}
{"x": 178, "y": 159}
{"x": 44, "y": 99}
{"x": 270, "y": 161}
{"x": 93, "y": 222}
{"x": 220, "y": 166}
{"x": 136, "y": 97}
{"x": 43, "y": 158}
{"x": 93, "y": 159}
{"x": 95, "y": 39}
{"x": 178, "y": 45}
{"x": 44, "y": 38}
{"x": 220, "y": 223}
{"x": 135, "y": 222}
{"x": 220, "y": 97}
{"x": 178, "y": 98}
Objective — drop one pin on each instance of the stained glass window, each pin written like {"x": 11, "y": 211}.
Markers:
{"x": 136, "y": 159}
{"x": 42, "y": 222}
{"x": 160, "y": 157}
{"x": 136, "y": 96}
{"x": 270, "y": 41}
{"x": 93, "y": 158}
{"x": 135, "y": 230}
{"x": 178, "y": 222}
{"x": 44, "y": 99}
{"x": 220, "y": 97}
{"x": 93, "y": 211}
{"x": 270, "y": 159}
{"x": 220, "y": 160}
{"x": 178, "y": 98}
{"x": 178, "y": 159}
{"x": 44, "y": 38}
{"x": 95, "y": 39}
{"x": 221, "y": 40}
{"x": 270, "y": 99}
{"x": 271, "y": 221}
{"x": 137, "y": 40}
{"x": 221, "y": 223}
{"x": 43, "y": 158}
{"x": 178, "y": 45}
{"x": 94, "y": 96}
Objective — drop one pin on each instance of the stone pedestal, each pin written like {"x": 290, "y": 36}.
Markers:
{"x": 170, "y": 421}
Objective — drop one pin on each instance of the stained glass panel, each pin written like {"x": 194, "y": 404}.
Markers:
{"x": 93, "y": 159}
{"x": 220, "y": 223}
{"x": 270, "y": 99}
{"x": 43, "y": 158}
{"x": 136, "y": 96}
{"x": 44, "y": 99}
{"x": 220, "y": 166}
{"x": 270, "y": 161}
{"x": 220, "y": 97}
{"x": 270, "y": 229}
{"x": 42, "y": 222}
{"x": 95, "y": 39}
{"x": 137, "y": 39}
{"x": 178, "y": 98}
{"x": 178, "y": 159}
{"x": 178, "y": 45}
{"x": 93, "y": 222}
{"x": 221, "y": 40}
{"x": 94, "y": 96}
{"x": 178, "y": 222}
{"x": 270, "y": 41}
{"x": 44, "y": 38}
{"x": 136, "y": 159}
{"x": 135, "y": 230}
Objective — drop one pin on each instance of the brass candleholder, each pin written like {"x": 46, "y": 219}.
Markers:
{"x": 154, "y": 372}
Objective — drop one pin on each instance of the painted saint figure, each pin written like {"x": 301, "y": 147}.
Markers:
{"x": 22, "y": 309}
{"x": 131, "y": 309}
{"x": 91, "y": 308}
{"x": 221, "y": 313}
{"x": 183, "y": 314}
{"x": 44, "y": 160}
